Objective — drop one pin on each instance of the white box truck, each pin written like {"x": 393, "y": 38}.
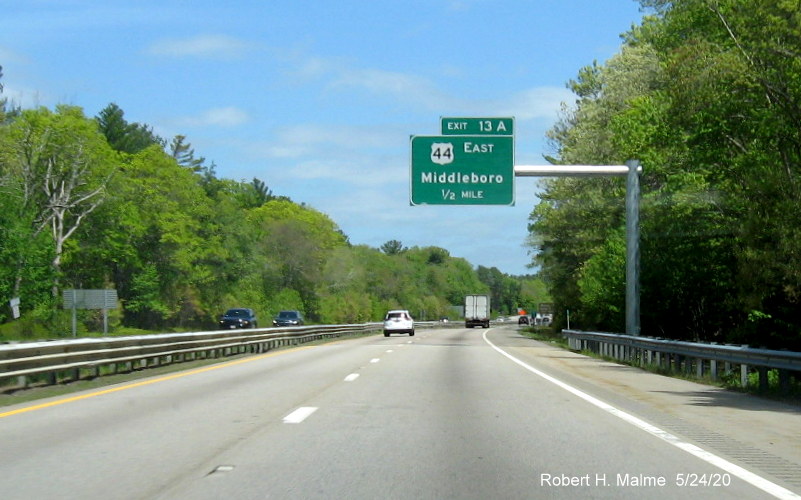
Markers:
{"x": 476, "y": 311}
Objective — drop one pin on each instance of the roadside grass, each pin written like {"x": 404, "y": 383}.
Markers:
{"x": 545, "y": 334}
{"x": 727, "y": 380}
{"x": 32, "y": 332}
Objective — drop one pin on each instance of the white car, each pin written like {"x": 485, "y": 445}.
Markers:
{"x": 398, "y": 321}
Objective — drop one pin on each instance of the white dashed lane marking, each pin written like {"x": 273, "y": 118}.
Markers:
{"x": 299, "y": 415}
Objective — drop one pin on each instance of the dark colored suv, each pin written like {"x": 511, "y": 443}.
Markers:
{"x": 239, "y": 318}
{"x": 288, "y": 318}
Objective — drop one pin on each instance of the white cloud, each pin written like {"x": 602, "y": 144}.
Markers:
{"x": 338, "y": 74}
{"x": 424, "y": 94}
{"x": 357, "y": 172}
{"x": 314, "y": 67}
{"x": 217, "y": 117}
{"x": 351, "y": 137}
{"x": 385, "y": 82}
{"x": 8, "y": 55}
{"x": 215, "y": 46}
{"x": 538, "y": 103}
{"x": 329, "y": 141}
{"x": 24, "y": 98}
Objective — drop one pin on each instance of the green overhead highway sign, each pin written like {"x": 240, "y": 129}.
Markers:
{"x": 462, "y": 170}
{"x": 477, "y": 126}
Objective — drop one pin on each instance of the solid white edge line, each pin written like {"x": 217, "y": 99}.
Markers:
{"x": 299, "y": 415}
{"x": 351, "y": 377}
{"x": 746, "y": 475}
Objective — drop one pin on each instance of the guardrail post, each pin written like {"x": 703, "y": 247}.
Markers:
{"x": 763, "y": 378}
{"x": 744, "y": 376}
{"x": 713, "y": 369}
{"x": 784, "y": 381}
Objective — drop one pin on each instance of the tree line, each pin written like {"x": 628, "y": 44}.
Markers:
{"x": 707, "y": 95}
{"x": 98, "y": 202}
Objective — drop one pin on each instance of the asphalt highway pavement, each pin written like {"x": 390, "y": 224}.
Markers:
{"x": 448, "y": 413}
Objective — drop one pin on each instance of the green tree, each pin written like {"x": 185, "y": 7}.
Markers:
{"x": 3, "y": 100}
{"x": 161, "y": 217}
{"x": 262, "y": 193}
{"x": 705, "y": 94}
{"x": 393, "y": 247}
{"x": 292, "y": 245}
{"x": 123, "y": 136}
{"x": 62, "y": 165}
{"x": 184, "y": 154}
{"x": 144, "y": 300}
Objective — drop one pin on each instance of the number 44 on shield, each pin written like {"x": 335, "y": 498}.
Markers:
{"x": 442, "y": 153}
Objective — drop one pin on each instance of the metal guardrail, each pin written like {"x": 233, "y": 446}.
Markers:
{"x": 59, "y": 360}
{"x": 689, "y": 357}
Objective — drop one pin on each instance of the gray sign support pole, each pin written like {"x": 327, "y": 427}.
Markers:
{"x": 631, "y": 170}
{"x": 633, "y": 248}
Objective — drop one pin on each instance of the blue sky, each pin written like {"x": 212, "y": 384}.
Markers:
{"x": 318, "y": 99}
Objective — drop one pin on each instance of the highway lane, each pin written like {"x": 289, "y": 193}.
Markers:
{"x": 439, "y": 415}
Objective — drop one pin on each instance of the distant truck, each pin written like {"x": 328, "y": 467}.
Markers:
{"x": 477, "y": 311}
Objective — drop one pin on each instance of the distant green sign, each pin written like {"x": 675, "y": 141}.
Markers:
{"x": 462, "y": 170}
{"x": 478, "y": 126}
